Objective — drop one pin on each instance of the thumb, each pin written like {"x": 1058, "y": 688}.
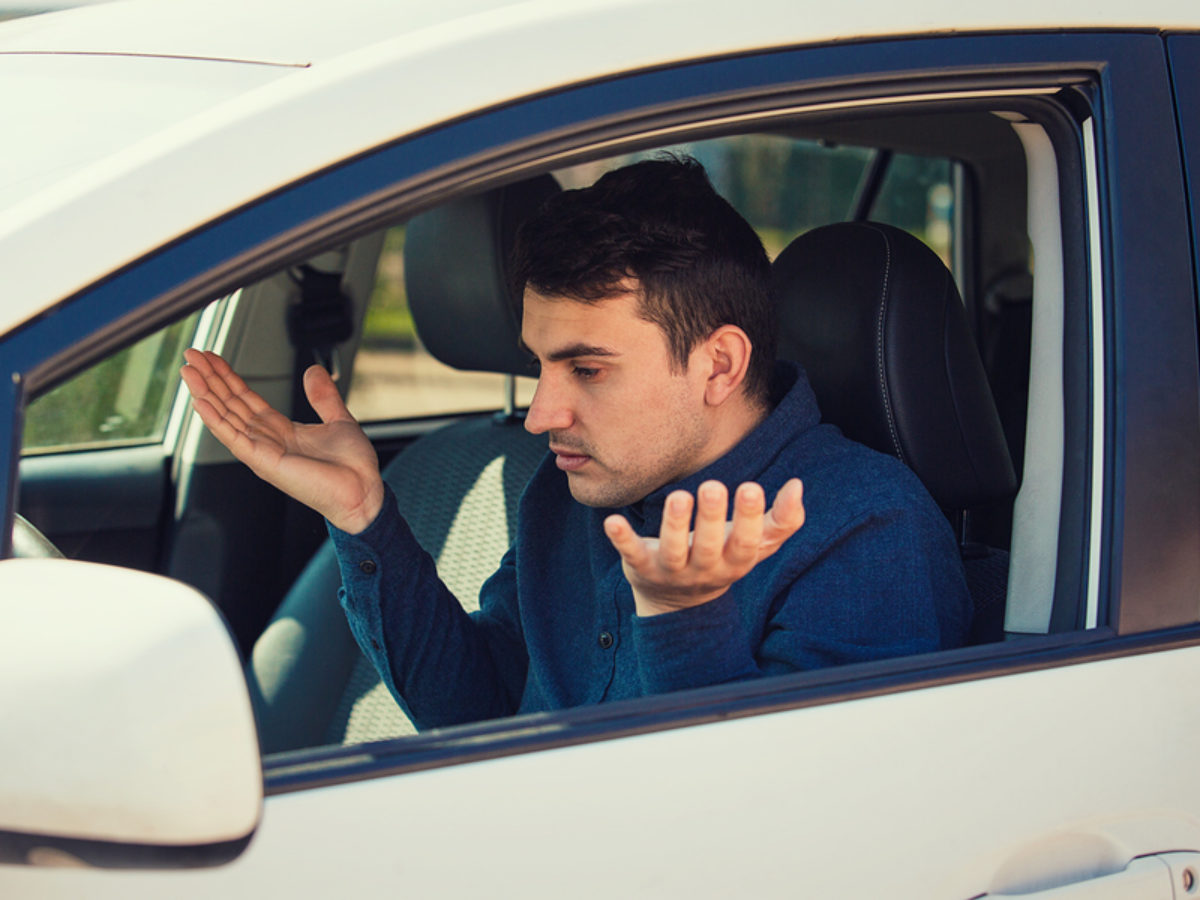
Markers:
{"x": 786, "y": 515}
{"x": 323, "y": 395}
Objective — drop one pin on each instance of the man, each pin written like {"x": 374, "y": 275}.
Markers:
{"x": 646, "y": 305}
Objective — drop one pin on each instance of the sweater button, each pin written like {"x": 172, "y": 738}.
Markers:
{"x": 367, "y": 567}
{"x": 605, "y": 640}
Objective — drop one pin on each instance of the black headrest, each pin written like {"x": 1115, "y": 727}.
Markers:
{"x": 876, "y": 320}
{"x": 456, "y": 259}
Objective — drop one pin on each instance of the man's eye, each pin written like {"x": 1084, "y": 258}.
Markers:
{"x": 584, "y": 373}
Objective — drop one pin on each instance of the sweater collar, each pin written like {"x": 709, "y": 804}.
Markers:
{"x": 795, "y": 412}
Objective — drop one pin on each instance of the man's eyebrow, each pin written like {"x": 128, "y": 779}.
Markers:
{"x": 574, "y": 351}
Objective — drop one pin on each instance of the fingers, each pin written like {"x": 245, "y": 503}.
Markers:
{"x": 210, "y": 378}
{"x": 237, "y": 416}
{"x": 712, "y": 543}
{"x": 227, "y": 428}
{"x": 632, "y": 548}
{"x": 746, "y": 533}
{"x": 709, "y": 538}
{"x": 673, "y": 535}
{"x": 213, "y": 411}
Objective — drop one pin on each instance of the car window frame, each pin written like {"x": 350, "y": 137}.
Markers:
{"x": 1130, "y": 98}
{"x": 1184, "y": 50}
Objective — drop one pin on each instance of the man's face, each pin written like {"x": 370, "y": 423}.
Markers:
{"x": 621, "y": 422}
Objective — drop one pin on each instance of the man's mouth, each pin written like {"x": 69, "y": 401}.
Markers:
{"x": 569, "y": 460}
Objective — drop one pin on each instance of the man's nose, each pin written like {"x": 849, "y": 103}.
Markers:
{"x": 548, "y": 411}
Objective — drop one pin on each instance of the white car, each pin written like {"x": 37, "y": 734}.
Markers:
{"x": 183, "y": 711}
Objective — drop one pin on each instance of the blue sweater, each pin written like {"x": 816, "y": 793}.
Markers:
{"x": 873, "y": 573}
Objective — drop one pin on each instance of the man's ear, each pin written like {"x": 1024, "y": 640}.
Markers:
{"x": 727, "y": 351}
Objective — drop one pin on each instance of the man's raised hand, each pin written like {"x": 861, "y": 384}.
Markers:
{"x": 682, "y": 568}
{"x": 330, "y": 467}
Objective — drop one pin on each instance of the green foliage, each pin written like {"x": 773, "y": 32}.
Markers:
{"x": 388, "y": 322}
{"x": 785, "y": 186}
{"x": 905, "y": 199}
{"x": 790, "y": 185}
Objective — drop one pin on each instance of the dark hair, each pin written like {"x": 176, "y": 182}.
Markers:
{"x": 699, "y": 263}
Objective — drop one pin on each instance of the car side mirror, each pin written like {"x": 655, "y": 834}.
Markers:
{"x": 128, "y": 738}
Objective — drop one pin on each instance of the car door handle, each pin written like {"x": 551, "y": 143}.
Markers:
{"x": 1165, "y": 875}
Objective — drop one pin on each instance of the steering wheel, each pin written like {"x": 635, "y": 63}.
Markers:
{"x": 29, "y": 543}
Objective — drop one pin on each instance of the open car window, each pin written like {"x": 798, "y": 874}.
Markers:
{"x": 784, "y": 182}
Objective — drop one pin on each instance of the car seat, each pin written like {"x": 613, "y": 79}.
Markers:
{"x": 875, "y": 318}
{"x": 457, "y": 486}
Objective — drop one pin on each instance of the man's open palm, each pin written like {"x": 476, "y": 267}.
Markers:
{"x": 683, "y": 567}
{"x": 330, "y": 467}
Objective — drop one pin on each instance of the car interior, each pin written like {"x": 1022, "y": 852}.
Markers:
{"x": 934, "y": 314}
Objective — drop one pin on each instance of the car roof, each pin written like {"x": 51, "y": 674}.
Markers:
{"x": 260, "y": 31}
{"x": 163, "y": 115}
{"x": 298, "y": 33}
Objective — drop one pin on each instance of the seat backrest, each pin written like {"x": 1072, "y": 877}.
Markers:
{"x": 457, "y": 486}
{"x": 876, "y": 320}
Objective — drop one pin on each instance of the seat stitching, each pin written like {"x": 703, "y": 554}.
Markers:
{"x": 887, "y": 403}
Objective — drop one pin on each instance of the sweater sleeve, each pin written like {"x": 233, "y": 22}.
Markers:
{"x": 443, "y": 665}
{"x": 694, "y": 647}
{"x": 886, "y": 584}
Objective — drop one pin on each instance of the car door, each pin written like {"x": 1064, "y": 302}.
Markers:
{"x": 1056, "y": 763}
